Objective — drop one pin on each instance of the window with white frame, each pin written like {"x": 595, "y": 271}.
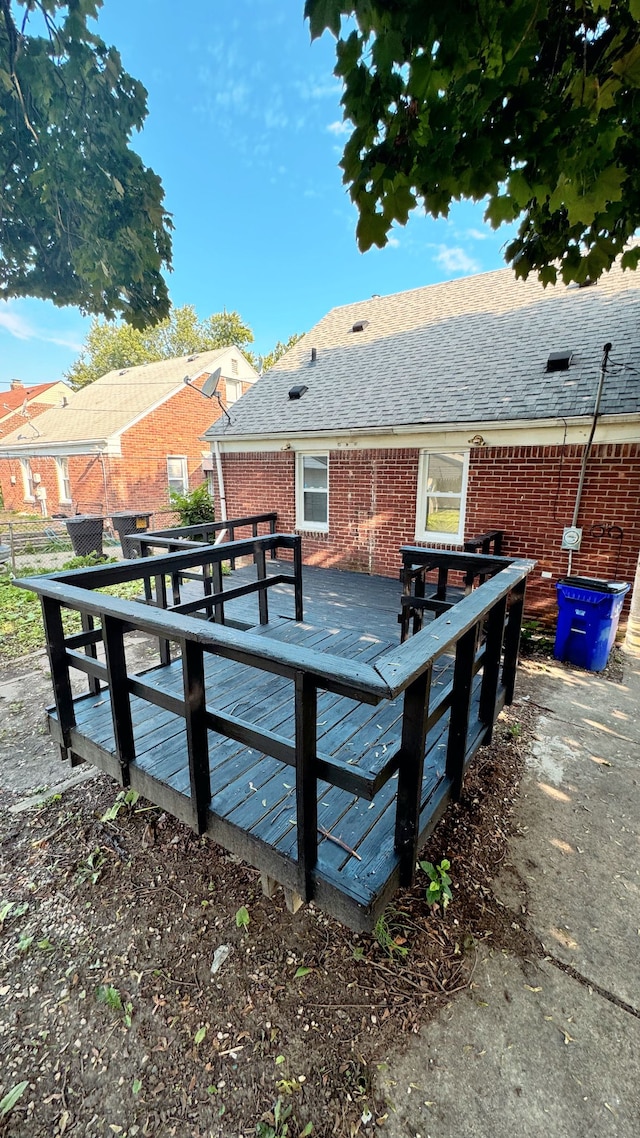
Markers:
{"x": 234, "y": 390}
{"x": 312, "y": 492}
{"x": 64, "y": 481}
{"x": 27, "y": 480}
{"x": 177, "y": 473}
{"x": 442, "y": 492}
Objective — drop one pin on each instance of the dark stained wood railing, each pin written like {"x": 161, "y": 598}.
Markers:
{"x": 419, "y": 563}
{"x": 145, "y": 544}
{"x": 479, "y": 634}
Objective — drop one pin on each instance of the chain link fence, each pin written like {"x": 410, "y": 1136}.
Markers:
{"x": 47, "y": 543}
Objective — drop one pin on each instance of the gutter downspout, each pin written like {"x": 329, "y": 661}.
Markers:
{"x": 587, "y": 449}
{"x": 221, "y": 493}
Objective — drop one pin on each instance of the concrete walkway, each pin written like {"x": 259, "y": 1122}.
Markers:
{"x": 550, "y": 1048}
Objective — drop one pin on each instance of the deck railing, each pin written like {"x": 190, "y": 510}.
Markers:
{"x": 162, "y": 577}
{"x": 203, "y": 532}
{"x": 470, "y": 568}
{"x": 480, "y": 634}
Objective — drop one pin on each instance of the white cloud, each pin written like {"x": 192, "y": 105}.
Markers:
{"x": 338, "y": 128}
{"x": 454, "y": 259}
{"x": 477, "y": 235}
{"x": 310, "y": 89}
{"x": 393, "y": 242}
{"x": 16, "y": 326}
{"x": 21, "y": 329}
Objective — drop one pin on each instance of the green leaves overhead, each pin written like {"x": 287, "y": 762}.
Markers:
{"x": 531, "y": 106}
{"x": 82, "y": 219}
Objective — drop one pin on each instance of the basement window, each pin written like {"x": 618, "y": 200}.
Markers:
{"x": 312, "y": 492}
{"x": 442, "y": 493}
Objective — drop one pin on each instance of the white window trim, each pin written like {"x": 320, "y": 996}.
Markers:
{"x": 301, "y": 524}
{"x": 185, "y": 481}
{"x": 422, "y": 534}
{"x": 60, "y": 468}
{"x": 27, "y": 479}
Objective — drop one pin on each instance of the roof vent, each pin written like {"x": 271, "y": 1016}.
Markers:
{"x": 359, "y": 326}
{"x": 298, "y": 391}
{"x": 314, "y": 355}
{"x": 559, "y": 361}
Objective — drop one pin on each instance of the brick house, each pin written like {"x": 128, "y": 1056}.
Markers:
{"x": 434, "y": 415}
{"x": 123, "y": 441}
{"x": 20, "y": 403}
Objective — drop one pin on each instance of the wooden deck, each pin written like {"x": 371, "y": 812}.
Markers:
{"x": 253, "y": 800}
{"x": 323, "y": 753}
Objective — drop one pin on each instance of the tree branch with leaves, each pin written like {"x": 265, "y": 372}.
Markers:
{"x": 82, "y": 219}
{"x": 530, "y": 105}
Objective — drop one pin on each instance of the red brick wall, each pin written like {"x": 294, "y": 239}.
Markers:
{"x": 138, "y": 479}
{"x": 529, "y": 492}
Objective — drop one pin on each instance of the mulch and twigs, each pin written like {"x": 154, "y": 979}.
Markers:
{"x": 111, "y": 1014}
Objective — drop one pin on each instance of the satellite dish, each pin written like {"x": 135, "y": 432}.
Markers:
{"x": 209, "y": 386}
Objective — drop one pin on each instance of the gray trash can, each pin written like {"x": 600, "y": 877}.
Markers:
{"x": 127, "y": 522}
{"x": 85, "y": 531}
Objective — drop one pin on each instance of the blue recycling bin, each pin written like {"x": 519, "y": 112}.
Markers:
{"x": 588, "y": 614}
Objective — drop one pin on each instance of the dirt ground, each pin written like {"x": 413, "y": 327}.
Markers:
{"x": 111, "y": 1014}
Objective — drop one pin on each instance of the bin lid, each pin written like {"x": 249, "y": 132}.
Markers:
{"x": 596, "y": 584}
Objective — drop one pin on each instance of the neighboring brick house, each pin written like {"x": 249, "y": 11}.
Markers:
{"x": 20, "y": 404}
{"x": 123, "y": 441}
{"x": 434, "y": 415}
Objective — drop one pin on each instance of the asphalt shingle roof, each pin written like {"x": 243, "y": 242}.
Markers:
{"x": 106, "y": 406}
{"x": 468, "y": 350}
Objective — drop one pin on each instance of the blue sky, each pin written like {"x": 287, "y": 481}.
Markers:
{"x": 245, "y": 129}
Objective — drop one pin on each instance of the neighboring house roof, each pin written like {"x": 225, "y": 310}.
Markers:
{"x": 470, "y": 350}
{"x": 105, "y": 408}
{"x": 12, "y": 400}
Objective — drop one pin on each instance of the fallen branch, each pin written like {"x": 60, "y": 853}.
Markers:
{"x": 339, "y": 842}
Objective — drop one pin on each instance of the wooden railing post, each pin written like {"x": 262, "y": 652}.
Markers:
{"x": 161, "y": 603}
{"x": 297, "y": 573}
{"x": 418, "y": 613}
{"x": 113, "y": 637}
{"x": 406, "y": 577}
{"x": 491, "y": 668}
{"x": 306, "y": 705}
{"x": 272, "y": 530}
{"x": 512, "y": 639}
{"x": 261, "y": 569}
{"x": 443, "y": 577}
{"x": 88, "y": 625}
{"x": 54, "y": 636}
{"x": 196, "y": 726}
{"x": 218, "y": 587}
{"x": 410, "y": 770}
{"x": 460, "y": 708}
